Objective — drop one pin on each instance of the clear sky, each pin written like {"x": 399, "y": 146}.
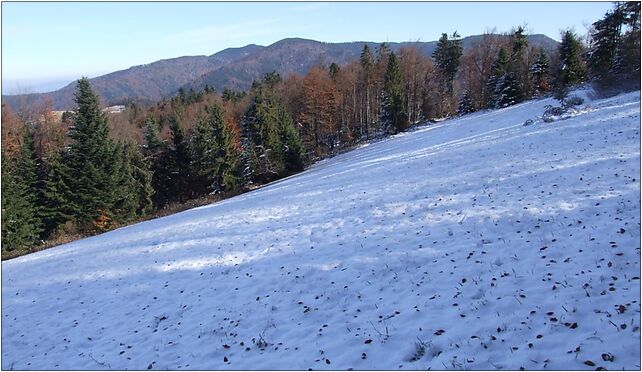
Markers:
{"x": 49, "y": 42}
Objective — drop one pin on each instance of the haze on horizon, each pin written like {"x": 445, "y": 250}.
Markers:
{"x": 41, "y": 52}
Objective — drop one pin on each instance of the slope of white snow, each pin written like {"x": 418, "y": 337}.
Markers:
{"x": 476, "y": 243}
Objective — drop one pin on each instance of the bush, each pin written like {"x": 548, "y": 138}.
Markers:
{"x": 572, "y": 101}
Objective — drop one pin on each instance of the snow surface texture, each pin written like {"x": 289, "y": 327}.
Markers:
{"x": 476, "y": 243}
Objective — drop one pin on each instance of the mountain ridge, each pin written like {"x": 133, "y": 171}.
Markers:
{"x": 234, "y": 67}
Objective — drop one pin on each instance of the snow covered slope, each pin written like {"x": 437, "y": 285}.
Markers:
{"x": 475, "y": 243}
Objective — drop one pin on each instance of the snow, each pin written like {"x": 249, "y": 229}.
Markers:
{"x": 474, "y": 243}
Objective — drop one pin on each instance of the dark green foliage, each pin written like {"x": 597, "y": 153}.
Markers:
{"x": 232, "y": 95}
{"x": 509, "y": 82}
{"x": 518, "y": 81}
{"x": 366, "y": 58}
{"x": 153, "y": 142}
{"x": 133, "y": 180}
{"x": 92, "y": 157}
{"x": 207, "y": 152}
{"x": 271, "y": 147}
{"x": 21, "y": 215}
{"x": 466, "y": 105}
{"x": 614, "y": 57}
{"x": 288, "y": 142}
{"x": 570, "y": 70}
{"x": 214, "y": 155}
{"x": 333, "y": 70}
{"x": 394, "y": 118}
{"x": 59, "y": 205}
{"x": 447, "y": 56}
{"x": 539, "y": 72}
{"x": 499, "y": 69}
{"x": 509, "y": 91}
{"x": 231, "y": 175}
{"x": 605, "y": 40}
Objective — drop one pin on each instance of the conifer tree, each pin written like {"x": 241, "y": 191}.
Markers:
{"x": 153, "y": 142}
{"x": 178, "y": 152}
{"x": 539, "y": 72}
{"x": 124, "y": 194}
{"x": 231, "y": 174}
{"x": 21, "y": 215}
{"x": 138, "y": 180}
{"x": 333, "y": 70}
{"x": 498, "y": 71}
{"x": 91, "y": 156}
{"x": 271, "y": 146}
{"x": 394, "y": 118}
{"x": 367, "y": 66}
{"x": 605, "y": 40}
{"x": 466, "y": 105}
{"x": 207, "y": 150}
{"x": 571, "y": 69}
{"x": 447, "y": 56}
{"x": 59, "y": 205}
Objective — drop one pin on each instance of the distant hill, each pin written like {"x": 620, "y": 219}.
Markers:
{"x": 233, "y": 68}
{"x": 147, "y": 83}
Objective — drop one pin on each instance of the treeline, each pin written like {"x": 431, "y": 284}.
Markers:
{"x": 90, "y": 171}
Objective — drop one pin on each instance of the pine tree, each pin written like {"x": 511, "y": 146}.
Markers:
{"x": 231, "y": 174}
{"x": 153, "y": 142}
{"x": 179, "y": 154}
{"x": 59, "y": 205}
{"x": 91, "y": 156}
{"x": 138, "y": 180}
{"x": 571, "y": 69}
{"x": 333, "y": 70}
{"x": 293, "y": 150}
{"x": 394, "y": 117}
{"x": 447, "y": 56}
{"x": 498, "y": 71}
{"x": 207, "y": 150}
{"x": 518, "y": 83}
{"x": 271, "y": 147}
{"x": 466, "y": 105}
{"x": 614, "y": 57}
{"x": 367, "y": 66}
{"x": 124, "y": 194}
{"x": 508, "y": 91}
{"x": 540, "y": 74}
{"x": 21, "y": 216}
{"x": 605, "y": 39}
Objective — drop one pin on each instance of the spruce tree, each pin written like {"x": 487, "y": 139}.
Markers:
{"x": 498, "y": 71}
{"x": 231, "y": 174}
{"x": 59, "y": 205}
{"x": 91, "y": 156}
{"x": 466, "y": 105}
{"x": 447, "y": 56}
{"x": 153, "y": 142}
{"x": 605, "y": 39}
{"x": 394, "y": 117}
{"x": 138, "y": 180}
{"x": 292, "y": 148}
{"x": 271, "y": 147}
{"x": 124, "y": 195}
{"x": 207, "y": 150}
{"x": 333, "y": 70}
{"x": 570, "y": 70}
{"x": 539, "y": 72}
{"x": 178, "y": 152}
{"x": 21, "y": 215}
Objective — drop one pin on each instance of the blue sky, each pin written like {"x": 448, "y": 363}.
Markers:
{"x": 51, "y": 43}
